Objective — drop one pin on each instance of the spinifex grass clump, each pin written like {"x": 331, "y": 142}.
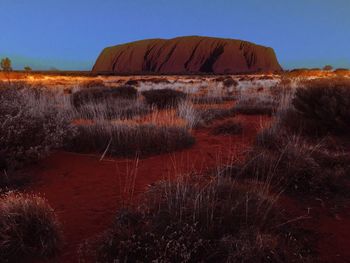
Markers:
{"x": 324, "y": 106}
{"x": 28, "y": 228}
{"x": 228, "y": 127}
{"x": 163, "y": 98}
{"x": 206, "y": 220}
{"x": 102, "y": 94}
{"x": 123, "y": 139}
{"x": 108, "y": 109}
{"x": 32, "y": 122}
{"x": 256, "y": 105}
{"x": 201, "y": 117}
{"x": 301, "y": 165}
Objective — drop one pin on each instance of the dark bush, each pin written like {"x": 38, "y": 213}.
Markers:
{"x": 214, "y": 220}
{"x": 326, "y": 105}
{"x": 91, "y": 95}
{"x": 207, "y": 116}
{"x": 28, "y": 229}
{"x": 229, "y": 82}
{"x": 123, "y": 91}
{"x": 256, "y": 106}
{"x": 163, "y": 98}
{"x": 98, "y": 95}
{"x": 92, "y": 84}
{"x": 228, "y": 127}
{"x": 295, "y": 165}
{"x": 129, "y": 140}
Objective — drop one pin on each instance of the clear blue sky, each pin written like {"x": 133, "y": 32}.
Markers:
{"x": 69, "y": 34}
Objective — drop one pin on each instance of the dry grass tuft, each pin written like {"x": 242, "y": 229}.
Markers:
{"x": 213, "y": 220}
{"x": 229, "y": 127}
{"x": 123, "y": 139}
{"x": 28, "y": 228}
{"x": 163, "y": 98}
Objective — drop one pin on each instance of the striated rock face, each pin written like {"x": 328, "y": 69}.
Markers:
{"x": 187, "y": 55}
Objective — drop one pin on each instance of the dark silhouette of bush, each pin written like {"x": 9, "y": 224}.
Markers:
{"x": 163, "y": 98}
{"x": 325, "y": 105}
{"x": 29, "y": 229}
{"x": 123, "y": 91}
{"x": 229, "y": 82}
{"x": 102, "y": 94}
{"x": 83, "y": 96}
{"x": 228, "y": 127}
{"x": 295, "y": 165}
{"x": 129, "y": 140}
{"x": 189, "y": 220}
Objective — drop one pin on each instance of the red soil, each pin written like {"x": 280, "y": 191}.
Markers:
{"x": 86, "y": 192}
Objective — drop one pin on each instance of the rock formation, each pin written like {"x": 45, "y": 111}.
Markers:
{"x": 187, "y": 55}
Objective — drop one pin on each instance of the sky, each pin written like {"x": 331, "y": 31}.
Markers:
{"x": 70, "y": 34}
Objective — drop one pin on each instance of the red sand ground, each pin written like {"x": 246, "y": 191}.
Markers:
{"x": 86, "y": 192}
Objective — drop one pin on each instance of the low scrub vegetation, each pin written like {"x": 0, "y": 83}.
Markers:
{"x": 29, "y": 229}
{"x": 123, "y": 139}
{"x": 300, "y": 165}
{"x": 32, "y": 123}
{"x": 201, "y": 117}
{"x": 120, "y": 108}
{"x": 102, "y": 94}
{"x": 256, "y": 105}
{"x": 324, "y": 106}
{"x": 211, "y": 99}
{"x": 163, "y": 98}
{"x": 207, "y": 220}
{"x": 228, "y": 127}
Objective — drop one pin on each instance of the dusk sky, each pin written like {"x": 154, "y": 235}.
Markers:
{"x": 70, "y": 34}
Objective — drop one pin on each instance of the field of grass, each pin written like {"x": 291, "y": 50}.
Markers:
{"x": 255, "y": 207}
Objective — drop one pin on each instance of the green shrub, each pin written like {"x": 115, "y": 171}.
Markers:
{"x": 163, "y": 98}
{"x": 28, "y": 228}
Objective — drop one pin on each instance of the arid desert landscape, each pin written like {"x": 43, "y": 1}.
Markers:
{"x": 184, "y": 131}
{"x": 152, "y": 168}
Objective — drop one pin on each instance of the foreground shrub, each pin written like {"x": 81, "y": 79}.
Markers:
{"x": 212, "y": 220}
{"x": 31, "y": 124}
{"x": 295, "y": 165}
{"x": 122, "y": 139}
{"x": 28, "y": 228}
{"x": 326, "y": 105}
{"x": 163, "y": 98}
